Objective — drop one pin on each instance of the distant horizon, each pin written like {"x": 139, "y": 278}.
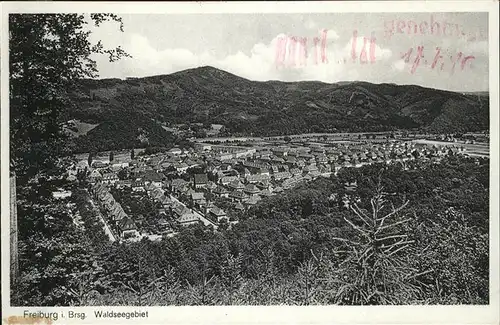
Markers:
{"x": 276, "y": 80}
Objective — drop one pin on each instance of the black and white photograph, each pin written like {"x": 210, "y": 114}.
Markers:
{"x": 248, "y": 159}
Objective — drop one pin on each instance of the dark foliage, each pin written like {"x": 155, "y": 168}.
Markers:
{"x": 48, "y": 53}
{"x": 306, "y": 247}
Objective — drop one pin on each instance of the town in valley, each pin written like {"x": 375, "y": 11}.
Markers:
{"x": 137, "y": 194}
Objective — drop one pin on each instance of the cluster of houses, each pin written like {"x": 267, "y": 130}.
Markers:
{"x": 169, "y": 211}
{"x": 189, "y": 130}
{"x": 172, "y": 211}
{"x": 201, "y": 184}
{"x": 120, "y": 222}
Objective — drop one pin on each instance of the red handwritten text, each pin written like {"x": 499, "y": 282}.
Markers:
{"x": 363, "y": 56}
{"x": 292, "y": 51}
{"x": 432, "y": 27}
{"x": 437, "y": 59}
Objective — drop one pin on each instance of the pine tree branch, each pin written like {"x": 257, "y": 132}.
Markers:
{"x": 345, "y": 240}
{"x": 390, "y": 237}
{"x": 394, "y": 211}
{"x": 401, "y": 242}
{"x": 400, "y": 248}
{"x": 392, "y": 225}
{"x": 357, "y": 228}
{"x": 360, "y": 214}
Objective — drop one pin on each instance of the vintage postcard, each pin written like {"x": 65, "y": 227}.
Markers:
{"x": 250, "y": 162}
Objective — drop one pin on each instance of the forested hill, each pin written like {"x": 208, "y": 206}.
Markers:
{"x": 207, "y": 94}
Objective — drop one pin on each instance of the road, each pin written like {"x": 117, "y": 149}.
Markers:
{"x": 341, "y": 135}
{"x": 204, "y": 220}
{"x": 105, "y": 225}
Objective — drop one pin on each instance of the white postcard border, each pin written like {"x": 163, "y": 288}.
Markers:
{"x": 277, "y": 314}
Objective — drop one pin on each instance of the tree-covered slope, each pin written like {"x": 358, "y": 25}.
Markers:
{"x": 210, "y": 95}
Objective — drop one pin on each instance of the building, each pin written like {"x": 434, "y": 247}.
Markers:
{"x": 181, "y": 167}
{"x": 124, "y": 183}
{"x": 198, "y": 198}
{"x": 200, "y": 181}
{"x": 177, "y": 185}
{"x": 281, "y": 175}
{"x": 257, "y": 178}
{"x": 245, "y": 172}
{"x": 251, "y": 189}
{"x": 127, "y": 228}
{"x": 61, "y": 194}
{"x": 138, "y": 186}
{"x": 187, "y": 218}
{"x": 253, "y": 200}
{"x": 211, "y": 186}
{"x": 239, "y": 206}
{"x": 95, "y": 176}
{"x": 155, "y": 192}
{"x": 109, "y": 178}
{"x": 217, "y": 214}
{"x": 256, "y": 167}
{"x": 152, "y": 177}
{"x": 221, "y": 192}
{"x": 236, "y": 185}
{"x": 175, "y": 151}
{"x": 203, "y": 146}
{"x": 120, "y": 165}
{"x": 281, "y": 151}
{"x": 99, "y": 164}
{"x": 238, "y": 196}
{"x": 310, "y": 168}
{"x": 225, "y": 156}
{"x": 265, "y": 193}
{"x": 116, "y": 212}
{"x": 228, "y": 179}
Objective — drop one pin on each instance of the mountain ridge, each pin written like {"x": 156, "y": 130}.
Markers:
{"x": 246, "y": 107}
{"x": 208, "y": 67}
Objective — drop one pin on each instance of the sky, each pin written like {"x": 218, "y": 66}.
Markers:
{"x": 438, "y": 50}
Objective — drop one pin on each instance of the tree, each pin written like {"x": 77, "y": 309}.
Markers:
{"x": 82, "y": 175}
{"x": 376, "y": 267}
{"x": 200, "y": 133}
{"x": 287, "y": 138}
{"x": 89, "y": 160}
{"x": 223, "y": 224}
{"x": 123, "y": 174}
{"x": 48, "y": 54}
{"x": 207, "y": 125}
{"x": 111, "y": 156}
{"x": 231, "y": 276}
{"x": 132, "y": 154}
